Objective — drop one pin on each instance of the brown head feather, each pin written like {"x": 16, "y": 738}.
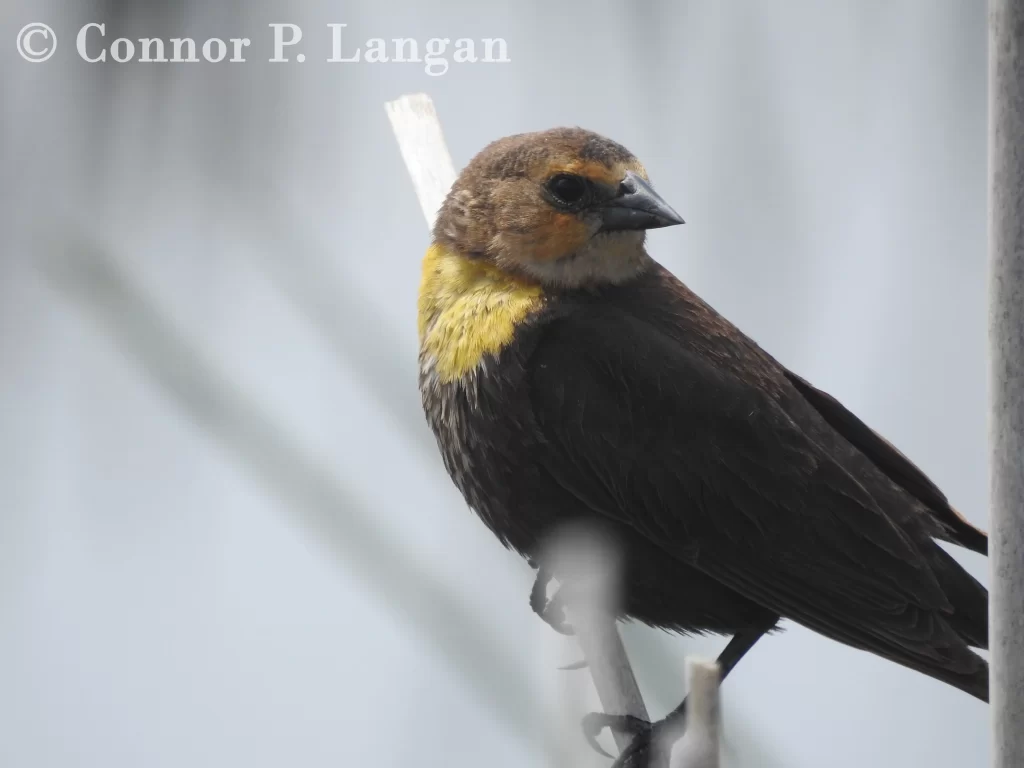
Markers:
{"x": 496, "y": 210}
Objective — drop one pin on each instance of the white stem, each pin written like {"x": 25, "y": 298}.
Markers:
{"x": 414, "y": 121}
{"x": 699, "y": 747}
{"x": 591, "y": 566}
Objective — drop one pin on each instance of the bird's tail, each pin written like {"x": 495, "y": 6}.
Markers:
{"x": 963, "y": 668}
{"x": 947, "y": 656}
{"x": 968, "y": 597}
{"x": 974, "y": 682}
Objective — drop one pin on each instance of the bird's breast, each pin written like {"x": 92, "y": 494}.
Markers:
{"x": 468, "y": 310}
{"x": 470, "y": 320}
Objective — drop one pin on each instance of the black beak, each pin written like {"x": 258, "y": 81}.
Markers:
{"x": 636, "y": 206}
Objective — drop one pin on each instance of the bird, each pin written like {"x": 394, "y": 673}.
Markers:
{"x": 569, "y": 377}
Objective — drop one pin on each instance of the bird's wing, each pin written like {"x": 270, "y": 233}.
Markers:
{"x": 893, "y": 463}
{"x": 713, "y": 470}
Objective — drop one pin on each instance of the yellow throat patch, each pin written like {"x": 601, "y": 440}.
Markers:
{"x": 468, "y": 309}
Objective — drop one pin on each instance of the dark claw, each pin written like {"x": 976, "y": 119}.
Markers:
{"x": 581, "y": 664}
{"x": 595, "y": 722}
{"x": 553, "y": 610}
{"x": 539, "y": 593}
{"x": 640, "y": 752}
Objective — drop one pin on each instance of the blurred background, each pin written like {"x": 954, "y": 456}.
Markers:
{"x": 226, "y": 536}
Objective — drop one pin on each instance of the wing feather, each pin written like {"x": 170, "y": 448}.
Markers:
{"x": 713, "y": 470}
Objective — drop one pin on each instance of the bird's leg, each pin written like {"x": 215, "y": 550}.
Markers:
{"x": 645, "y": 734}
{"x": 551, "y": 610}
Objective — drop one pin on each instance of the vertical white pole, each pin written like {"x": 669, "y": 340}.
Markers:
{"x": 1006, "y": 329}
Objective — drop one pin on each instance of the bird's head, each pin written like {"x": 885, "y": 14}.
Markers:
{"x": 565, "y": 207}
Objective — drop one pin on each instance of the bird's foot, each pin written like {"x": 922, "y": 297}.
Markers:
{"x": 651, "y": 744}
{"x": 551, "y": 609}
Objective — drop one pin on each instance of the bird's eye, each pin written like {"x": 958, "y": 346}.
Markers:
{"x": 568, "y": 189}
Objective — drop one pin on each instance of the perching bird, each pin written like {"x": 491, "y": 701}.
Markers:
{"x": 568, "y": 376}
